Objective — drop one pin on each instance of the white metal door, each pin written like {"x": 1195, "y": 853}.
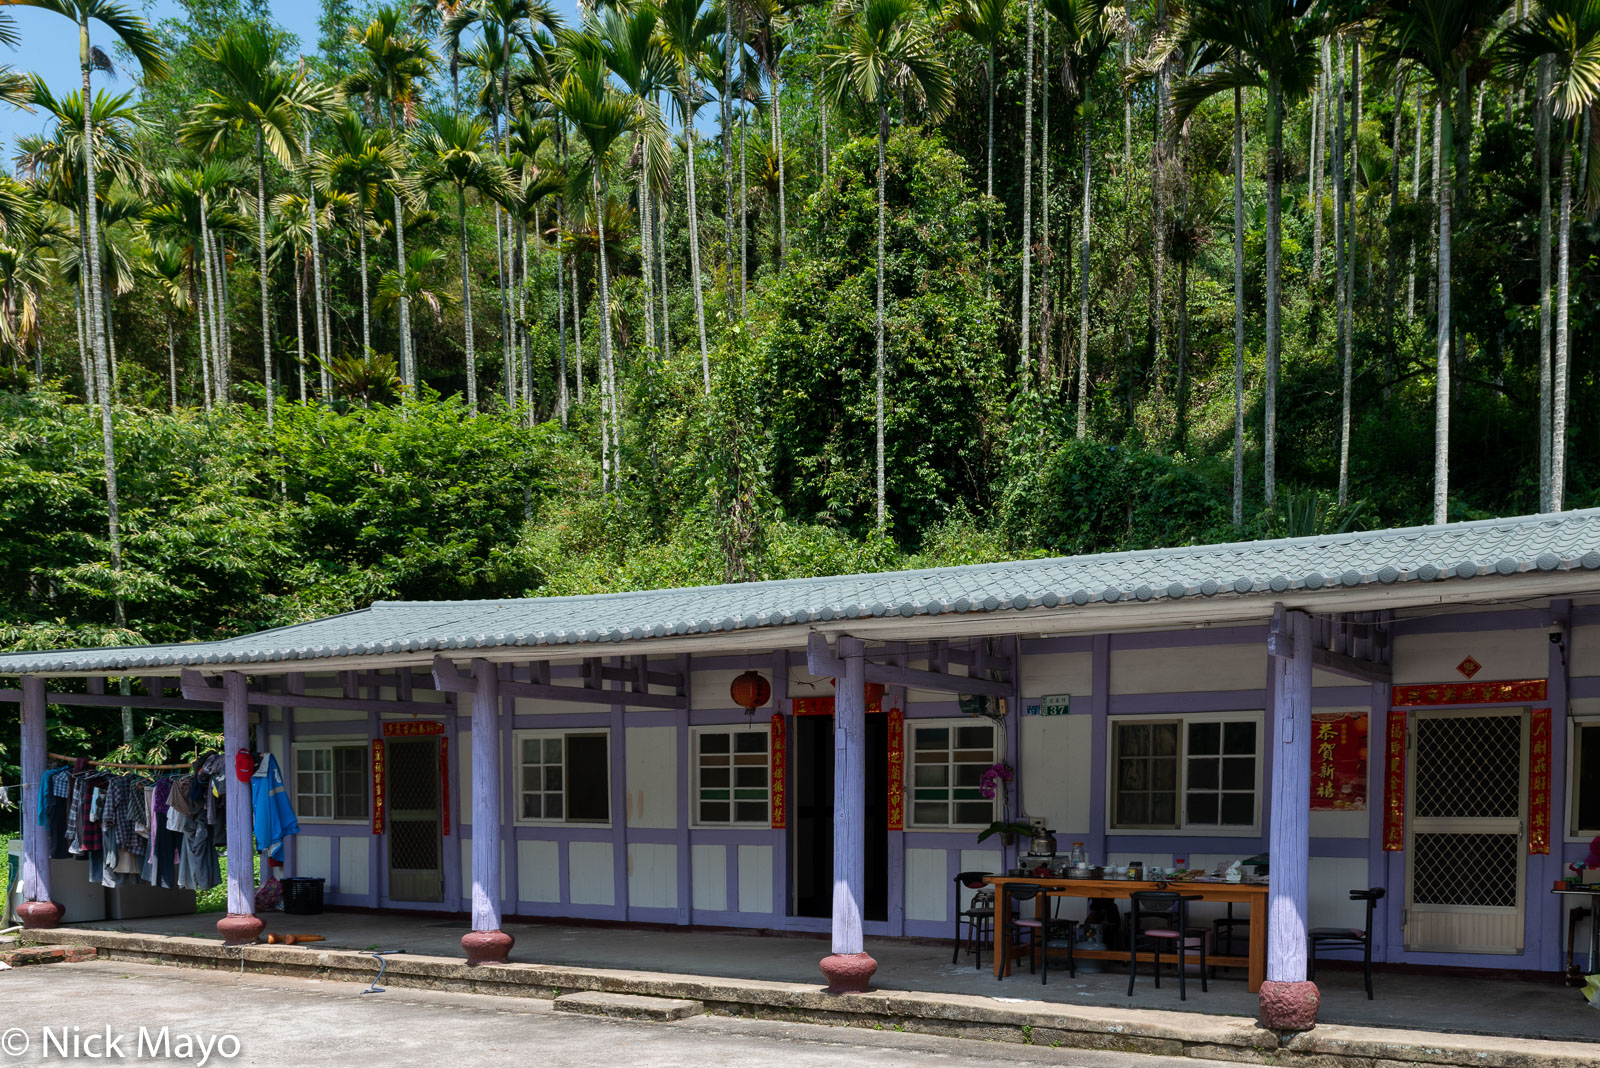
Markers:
{"x": 1466, "y": 849}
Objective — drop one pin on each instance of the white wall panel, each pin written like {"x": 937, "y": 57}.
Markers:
{"x": 1055, "y": 772}
{"x": 652, "y": 875}
{"x": 652, "y": 770}
{"x": 1504, "y": 654}
{"x": 1332, "y": 879}
{"x": 1182, "y": 670}
{"x": 538, "y": 870}
{"x": 353, "y": 873}
{"x": 927, "y": 893}
{"x": 313, "y": 858}
{"x": 755, "y": 879}
{"x": 709, "y": 878}
{"x": 591, "y": 874}
{"x": 1055, "y": 673}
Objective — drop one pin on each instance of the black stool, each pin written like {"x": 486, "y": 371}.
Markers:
{"x": 1347, "y": 937}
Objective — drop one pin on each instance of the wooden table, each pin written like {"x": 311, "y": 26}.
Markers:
{"x": 1252, "y": 894}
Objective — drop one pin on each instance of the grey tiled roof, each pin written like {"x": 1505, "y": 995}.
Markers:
{"x": 1262, "y": 569}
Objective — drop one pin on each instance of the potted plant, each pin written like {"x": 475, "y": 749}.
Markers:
{"x": 992, "y": 782}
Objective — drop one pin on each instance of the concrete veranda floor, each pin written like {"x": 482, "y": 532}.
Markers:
{"x": 1535, "y": 1007}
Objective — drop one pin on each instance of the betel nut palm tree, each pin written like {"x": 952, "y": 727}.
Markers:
{"x": 266, "y": 99}
{"x": 134, "y": 34}
{"x": 1271, "y": 45}
{"x": 985, "y": 22}
{"x": 886, "y": 54}
{"x": 451, "y": 151}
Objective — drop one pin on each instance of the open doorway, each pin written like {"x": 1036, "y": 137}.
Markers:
{"x": 812, "y": 835}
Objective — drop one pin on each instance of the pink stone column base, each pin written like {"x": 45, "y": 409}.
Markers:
{"x": 240, "y": 929}
{"x": 40, "y": 915}
{"x": 848, "y": 973}
{"x": 486, "y": 947}
{"x": 1289, "y": 1006}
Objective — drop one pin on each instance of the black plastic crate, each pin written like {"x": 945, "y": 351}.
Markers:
{"x": 302, "y": 897}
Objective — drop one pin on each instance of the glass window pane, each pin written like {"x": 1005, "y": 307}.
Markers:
{"x": 713, "y": 743}
{"x": 552, "y": 806}
{"x": 931, "y": 775}
{"x": 1205, "y": 738}
{"x": 1239, "y": 738}
{"x": 552, "y": 750}
{"x": 1238, "y": 810}
{"x": 714, "y": 812}
{"x": 531, "y": 809}
{"x": 750, "y": 776}
{"x": 533, "y": 778}
{"x": 975, "y": 812}
{"x": 750, "y": 742}
{"x": 1164, "y": 809}
{"x": 932, "y": 738}
{"x": 1133, "y": 739}
{"x": 530, "y": 750}
{"x": 969, "y": 774}
{"x": 588, "y": 778}
{"x": 1586, "y": 772}
{"x": 750, "y": 811}
{"x": 714, "y": 777}
{"x": 1238, "y": 773}
{"x": 1133, "y": 809}
{"x": 975, "y": 738}
{"x": 552, "y": 777}
{"x": 1203, "y": 774}
{"x": 930, "y": 813}
{"x": 1164, "y": 773}
{"x": 1164, "y": 739}
{"x": 1134, "y": 775}
{"x": 1203, "y": 809}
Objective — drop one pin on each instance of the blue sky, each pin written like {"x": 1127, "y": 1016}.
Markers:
{"x": 49, "y": 49}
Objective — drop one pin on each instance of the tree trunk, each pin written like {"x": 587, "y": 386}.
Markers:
{"x": 172, "y": 361}
{"x": 1558, "y": 431}
{"x": 261, "y": 244}
{"x": 664, "y": 204}
{"x": 1025, "y": 349}
{"x": 988, "y": 222}
{"x": 366, "y": 304}
{"x": 1273, "y": 311}
{"x": 783, "y": 189}
{"x": 111, "y": 335}
{"x": 1158, "y": 217}
{"x": 1416, "y": 197}
{"x": 323, "y": 377}
{"x": 1391, "y": 278}
{"x": 408, "y": 358}
{"x": 725, "y": 109}
{"x": 1046, "y": 320}
{"x": 466, "y": 303}
{"x": 744, "y": 204}
{"x": 1341, "y": 261}
{"x": 1541, "y": 125}
{"x": 577, "y": 329}
{"x": 647, "y": 259}
{"x": 561, "y": 324}
{"x": 694, "y": 240}
{"x": 1082, "y": 429}
{"x": 108, "y": 447}
{"x": 524, "y": 346}
{"x": 1434, "y": 191}
{"x": 1319, "y": 161}
{"x": 299, "y": 329}
{"x": 212, "y": 299}
{"x": 506, "y": 328}
{"x": 608, "y": 378}
{"x": 883, "y": 133}
{"x": 202, "y": 329}
{"x": 1238, "y": 305}
{"x": 1441, "y": 431}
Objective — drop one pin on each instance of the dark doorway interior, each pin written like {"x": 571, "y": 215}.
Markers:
{"x": 813, "y": 817}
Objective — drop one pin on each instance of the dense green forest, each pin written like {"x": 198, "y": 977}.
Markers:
{"x": 468, "y": 299}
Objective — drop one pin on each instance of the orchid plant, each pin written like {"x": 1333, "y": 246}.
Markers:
{"x": 992, "y": 783}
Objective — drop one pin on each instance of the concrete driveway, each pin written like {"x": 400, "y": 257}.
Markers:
{"x": 286, "y": 1022}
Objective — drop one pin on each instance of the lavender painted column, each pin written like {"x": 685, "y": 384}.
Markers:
{"x": 1288, "y": 1001}
{"x": 241, "y": 926}
{"x": 37, "y": 910}
{"x": 849, "y": 969}
{"x": 486, "y": 943}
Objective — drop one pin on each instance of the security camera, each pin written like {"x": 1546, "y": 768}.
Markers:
{"x": 1555, "y": 635}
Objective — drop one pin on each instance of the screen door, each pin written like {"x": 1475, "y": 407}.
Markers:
{"x": 1467, "y": 850}
{"x": 416, "y": 870}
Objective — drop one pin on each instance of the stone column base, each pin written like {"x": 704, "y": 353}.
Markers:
{"x": 240, "y": 929}
{"x": 486, "y": 947}
{"x": 848, "y": 973}
{"x": 1289, "y": 1006}
{"x": 39, "y": 915}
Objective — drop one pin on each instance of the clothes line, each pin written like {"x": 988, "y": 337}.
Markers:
{"x": 129, "y": 767}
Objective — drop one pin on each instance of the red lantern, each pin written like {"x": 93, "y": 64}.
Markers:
{"x": 750, "y": 691}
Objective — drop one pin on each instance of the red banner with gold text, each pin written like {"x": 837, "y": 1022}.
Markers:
{"x": 897, "y": 770}
{"x": 1539, "y": 782}
{"x": 1339, "y": 762}
{"x": 379, "y": 772}
{"x": 1394, "y": 783}
{"x": 780, "y": 774}
{"x": 444, "y": 782}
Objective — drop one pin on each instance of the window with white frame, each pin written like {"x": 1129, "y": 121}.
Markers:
{"x": 948, "y": 759}
{"x": 563, "y": 777}
{"x": 1584, "y": 804}
{"x": 330, "y": 781}
{"x": 732, "y": 776}
{"x": 1189, "y": 772}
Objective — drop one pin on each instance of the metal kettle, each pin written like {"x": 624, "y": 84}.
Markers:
{"x": 1043, "y": 843}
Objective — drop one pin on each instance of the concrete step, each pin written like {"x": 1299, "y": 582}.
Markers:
{"x": 628, "y": 1006}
